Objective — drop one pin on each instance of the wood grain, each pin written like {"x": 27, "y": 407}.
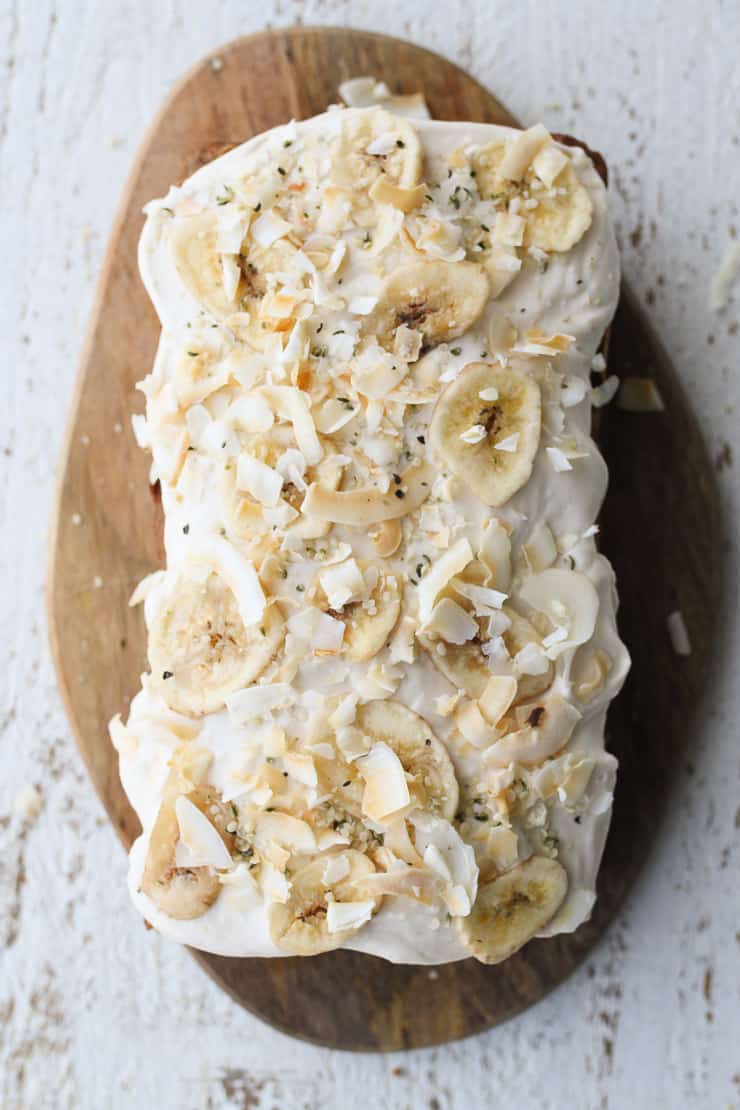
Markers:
{"x": 107, "y": 535}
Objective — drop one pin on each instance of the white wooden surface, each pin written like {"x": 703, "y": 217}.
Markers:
{"x": 96, "y": 1012}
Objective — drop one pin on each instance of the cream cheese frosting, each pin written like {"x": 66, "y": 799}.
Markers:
{"x": 384, "y": 644}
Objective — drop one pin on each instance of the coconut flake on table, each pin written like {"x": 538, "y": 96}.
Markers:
{"x": 725, "y": 278}
{"x": 679, "y": 633}
{"x": 28, "y": 802}
{"x": 639, "y": 395}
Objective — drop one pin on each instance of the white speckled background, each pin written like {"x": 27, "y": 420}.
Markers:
{"x": 96, "y": 1012}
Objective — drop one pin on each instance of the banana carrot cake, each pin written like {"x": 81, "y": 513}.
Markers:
{"x": 384, "y": 643}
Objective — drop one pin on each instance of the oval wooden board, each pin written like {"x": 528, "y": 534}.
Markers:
{"x": 660, "y": 527}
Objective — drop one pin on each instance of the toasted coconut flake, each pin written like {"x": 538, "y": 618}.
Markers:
{"x": 589, "y": 677}
{"x": 363, "y": 507}
{"x": 363, "y": 92}
{"x": 442, "y": 570}
{"x": 567, "y": 776}
{"x": 679, "y": 633}
{"x": 384, "y": 191}
{"x": 540, "y": 551}
{"x": 351, "y": 743}
{"x": 409, "y": 105}
{"x": 495, "y": 554}
{"x": 348, "y": 915}
{"x": 502, "y": 265}
{"x": 549, "y": 163}
{"x": 387, "y": 538}
{"x": 508, "y": 230}
{"x": 531, "y": 660}
{"x": 485, "y": 600}
{"x": 451, "y": 622}
{"x": 301, "y": 767}
{"x": 458, "y": 857}
{"x": 536, "y": 343}
{"x": 321, "y": 632}
{"x": 218, "y": 556}
{"x": 268, "y": 228}
{"x": 144, "y": 588}
{"x": 275, "y": 887}
{"x": 639, "y": 395}
{"x": 252, "y": 414}
{"x": 521, "y": 150}
{"x": 497, "y": 696}
{"x": 509, "y": 443}
{"x": 558, "y": 460}
{"x": 336, "y": 868}
{"x": 473, "y": 725}
{"x": 402, "y": 643}
{"x": 556, "y": 719}
{"x": 725, "y": 278}
{"x": 259, "y": 480}
{"x": 362, "y": 306}
{"x": 397, "y": 840}
{"x": 502, "y": 847}
{"x": 293, "y": 405}
{"x": 345, "y": 712}
{"x": 200, "y": 843}
{"x": 341, "y": 583}
{"x": 386, "y": 790}
{"x": 403, "y": 881}
{"x": 474, "y": 434}
{"x": 257, "y": 701}
{"x": 567, "y": 597}
{"x": 283, "y": 829}
{"x": 407, "y": 343}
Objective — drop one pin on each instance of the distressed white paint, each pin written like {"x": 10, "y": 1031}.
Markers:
{"x": 96, "y": 1012}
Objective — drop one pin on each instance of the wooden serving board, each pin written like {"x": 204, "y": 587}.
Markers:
{"x": 660, "y": 527}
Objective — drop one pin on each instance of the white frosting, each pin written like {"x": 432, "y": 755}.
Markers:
{"x": 576, "y": 294}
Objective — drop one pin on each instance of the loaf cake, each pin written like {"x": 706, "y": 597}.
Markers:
{"x": 383, "y": 645}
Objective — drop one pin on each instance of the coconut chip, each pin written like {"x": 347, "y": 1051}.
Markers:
{"x": 679, "y": 633}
